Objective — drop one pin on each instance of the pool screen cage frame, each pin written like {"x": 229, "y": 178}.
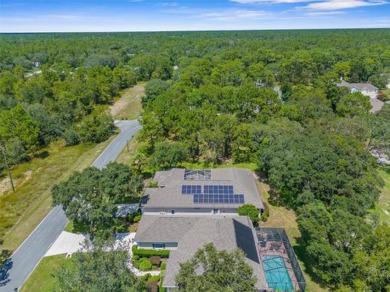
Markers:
{"x": 279, "y": 235}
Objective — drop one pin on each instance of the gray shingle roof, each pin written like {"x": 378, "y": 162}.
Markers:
{"x": 168, "y": 195}
{"x": 192, "y": 232}
{"x": 359, "y": 86}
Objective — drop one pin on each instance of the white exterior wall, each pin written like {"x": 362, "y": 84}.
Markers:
{"x": 190, "y": 211}
{"x": 371, "y": 94}
{"x": 149, "y": 245}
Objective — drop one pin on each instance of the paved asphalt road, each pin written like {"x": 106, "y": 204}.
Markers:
{"x": 128, "y": 130}
{"x": 28, "y": 255}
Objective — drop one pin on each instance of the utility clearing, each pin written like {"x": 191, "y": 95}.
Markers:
{"x": 128, "y": 106}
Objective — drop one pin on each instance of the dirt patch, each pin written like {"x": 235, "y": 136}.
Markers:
{"x": 5, "y": 184}
{"x": 128, "y": 106}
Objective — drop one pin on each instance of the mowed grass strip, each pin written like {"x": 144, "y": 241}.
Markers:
{"x": 383, "y": 206}
{"x": 128, "y": 153}
{"x": 22, "y": 210}
{"x": 129, "y": 106}
{"x": 43, "y": 278}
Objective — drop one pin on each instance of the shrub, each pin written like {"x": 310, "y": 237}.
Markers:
{"x": 136, "y": 257}
{"x": 155, "y": 260}
{"x": 153, "y": 184}
{"x": 145, "y": 264}
{"x": 155, "y": 278}
{"x": 383, "y": 96}
{"x": 264, "y": 217}
{"x": 163, "y": 266}
{"x": 71, "y": 137}
{"x": 137, "y": 218}
{"x": 152, "y": 286}
{"x": 150, "y": 252}
{"x": 250, "y": 211}
{"x": 136, "y": 263}
{"x": 147, "y": 277}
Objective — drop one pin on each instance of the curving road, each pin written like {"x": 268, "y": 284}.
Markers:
{"x": 29, "y": 254}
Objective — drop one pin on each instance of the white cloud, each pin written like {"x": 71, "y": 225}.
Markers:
{"x": 234, "y": 14}
{"x": 324, "y": 13}
{"x": 343, "y": 4}
{"x": 319, "y": 4}
{"x": 168, "y": 4}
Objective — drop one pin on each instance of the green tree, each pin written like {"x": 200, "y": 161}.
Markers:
{"x": 372, "y": 261}
{"x": 48, "y": 125}
{"x": 220, "y": 271}
{"x": 16, "y": 124}
{"x": 353, "y": 104}
{"x": 98, "y": 270}
{"x": 153, "y": 89}
{"x": 96, "y": 127}
{"x": 168, "y": 154}
{"x": 228, "y": 73}
{"x": 250, "y": 211}
{"x": 89, "y": 197}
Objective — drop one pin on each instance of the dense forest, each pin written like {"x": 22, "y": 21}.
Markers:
{"x": 264, "y": 97}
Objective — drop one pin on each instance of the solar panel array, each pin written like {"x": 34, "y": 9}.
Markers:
{"x": 218, "y": 189}
{"x": 212, "y": 194}
{"x": 191, "y": 189}
{"x": 221, "y": 199}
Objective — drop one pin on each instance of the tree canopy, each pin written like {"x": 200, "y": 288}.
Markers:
{"x": 250, "y": 211}
{"x": 98, "y": 270}
{"x": 90, "y": 197}
{"x": 219, "y": 270}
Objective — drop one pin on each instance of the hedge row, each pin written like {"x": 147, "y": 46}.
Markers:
{"x": 141, "y": 252}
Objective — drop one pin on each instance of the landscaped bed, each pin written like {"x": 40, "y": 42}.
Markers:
{"x": 148, "y": 259}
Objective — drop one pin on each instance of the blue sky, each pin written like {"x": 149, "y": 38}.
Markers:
{"x": 152, "y": 15}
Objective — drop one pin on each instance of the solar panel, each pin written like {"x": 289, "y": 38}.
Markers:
{"x": 218, "y": 189}
{"x": 219, "y": 199}
{"x": 191, "y": 189}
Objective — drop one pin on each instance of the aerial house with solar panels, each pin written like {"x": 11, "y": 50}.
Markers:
{"x": 189, "y": 208}
{"x": 196, "y": 192}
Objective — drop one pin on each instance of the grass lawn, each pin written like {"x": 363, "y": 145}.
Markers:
{"x": 285, "y": 218}
{"x": 22, "y": 210}
{"x": 128, "y": 106}
{"x": 251, "y": 166}
{"x": 128, "y": 153}
{"x": 42, "y": 279}
{"x": 383, "y": 206}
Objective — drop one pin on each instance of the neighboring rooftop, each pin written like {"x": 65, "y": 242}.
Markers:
{"x": 359, "y": 86}
{"x": 124, "y": 209}
{"x": 222, "y": 188}
{"x": 193, "y": 232}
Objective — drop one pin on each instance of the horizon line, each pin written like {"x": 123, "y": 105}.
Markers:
{"x": 199, "y": 30}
